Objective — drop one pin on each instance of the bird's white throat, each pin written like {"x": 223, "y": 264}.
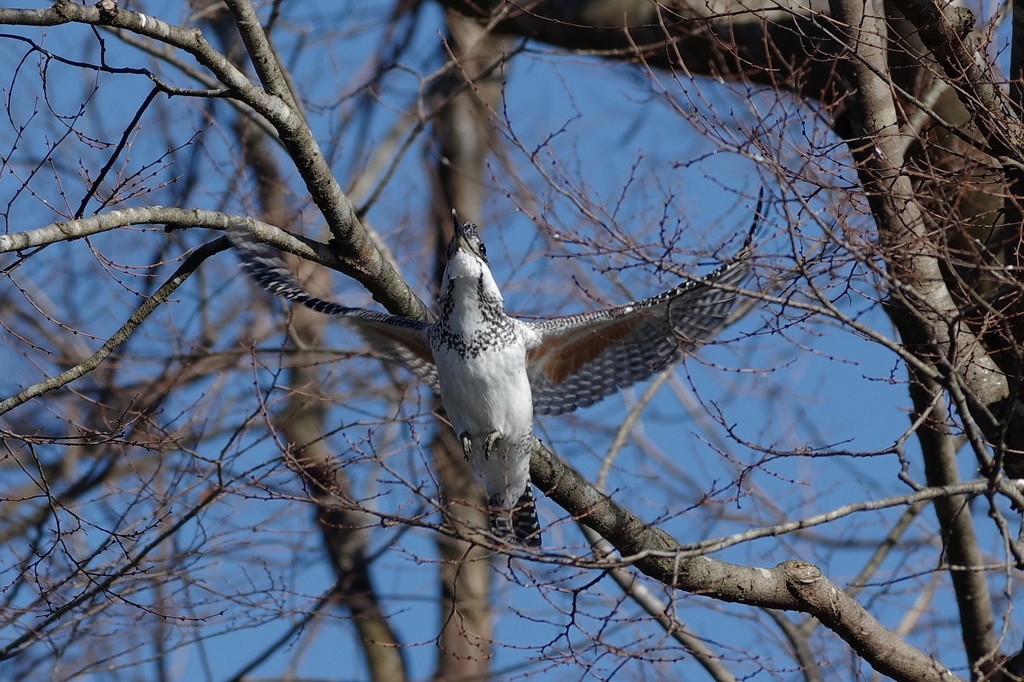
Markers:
{"x": 470, "y": 290}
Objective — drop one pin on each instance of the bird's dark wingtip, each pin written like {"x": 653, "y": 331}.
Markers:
{"x": 757, "y": 223}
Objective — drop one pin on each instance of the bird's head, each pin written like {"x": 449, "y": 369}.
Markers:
{"x": 467, "y": 258}
{"x": 466, "y": 240}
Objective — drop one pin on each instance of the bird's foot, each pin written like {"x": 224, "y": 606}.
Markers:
{"x": 467, "y": 444}
{"x": 491, "y": 442}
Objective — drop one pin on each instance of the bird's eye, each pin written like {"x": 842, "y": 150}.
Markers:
{"x": 483, "y": 250}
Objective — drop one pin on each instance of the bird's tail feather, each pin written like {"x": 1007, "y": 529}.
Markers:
{"x": 519, "y": 525}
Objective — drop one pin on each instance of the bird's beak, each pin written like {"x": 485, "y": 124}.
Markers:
{"x": 460, "y": 235}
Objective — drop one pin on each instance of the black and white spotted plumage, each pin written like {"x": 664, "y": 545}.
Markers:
{"x": 494, "y": 371}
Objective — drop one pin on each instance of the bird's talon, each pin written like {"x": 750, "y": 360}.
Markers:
{"x": 467, "y": 444}
{"x": 491, "y": 443}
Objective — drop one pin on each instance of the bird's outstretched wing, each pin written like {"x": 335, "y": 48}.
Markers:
{"x": 584, "y": 358}
{"x": 389, "y": 336}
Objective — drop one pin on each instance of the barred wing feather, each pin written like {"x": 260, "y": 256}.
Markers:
{"x": 391, "y": 337}
{"x": 584, "y": 358}
{"x": 580, "y": 359}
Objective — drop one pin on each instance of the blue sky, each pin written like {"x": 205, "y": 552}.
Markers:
{"x": 614, "y": 143}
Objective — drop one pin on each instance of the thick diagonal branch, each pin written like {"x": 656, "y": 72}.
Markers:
{"x": 792, "y": 585}
{"x": 358, "y": 257}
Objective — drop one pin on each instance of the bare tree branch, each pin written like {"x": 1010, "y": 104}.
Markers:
{"x": 661, "y": 612}
{"x": 792, "y": 585}
{"x": 183, "y": 272}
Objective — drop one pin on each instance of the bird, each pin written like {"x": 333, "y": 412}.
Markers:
{"x": 495, "y": 372}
